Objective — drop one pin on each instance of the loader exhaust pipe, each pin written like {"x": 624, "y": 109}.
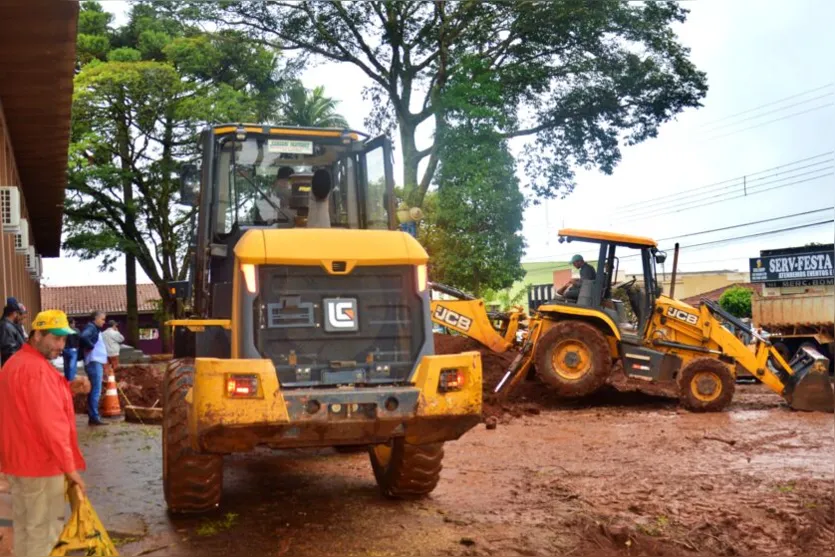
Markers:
{"x": 673, "y": 276}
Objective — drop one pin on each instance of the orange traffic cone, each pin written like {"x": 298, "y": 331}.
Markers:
{"x": 111, "y": 396}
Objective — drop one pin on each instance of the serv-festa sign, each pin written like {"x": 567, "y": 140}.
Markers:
{"x": 812, "y": 268}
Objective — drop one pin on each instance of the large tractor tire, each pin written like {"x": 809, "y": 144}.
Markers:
{"x": 706, "y": 385}
{"x": 192, "y": 481}
{"x": 574, "y": 358}
{"x": 406, "y": 471}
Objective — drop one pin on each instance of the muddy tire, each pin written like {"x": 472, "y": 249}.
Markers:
{"x": 192, "y": 482}
{"x": 706, "y": 385}
{"x": 574, "y": 358}
{"x": 783, "y": 350}
{"x": 406, "y": 471}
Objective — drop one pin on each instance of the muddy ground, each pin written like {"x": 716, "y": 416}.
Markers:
{"x": 620, "y": 473}
{"x": 633, "y": 475}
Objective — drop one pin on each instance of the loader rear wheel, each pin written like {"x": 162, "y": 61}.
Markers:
{"x": 706, "y": 385}
{"x": 574, "y": 358}
{"x": 192, "y": 482}
{"x": 405, "y": 471}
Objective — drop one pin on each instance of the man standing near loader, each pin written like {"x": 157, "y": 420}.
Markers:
{"x": 113, "y": 340}
{"x": 11, "y": 339}
{"x": 38, "y": 439}
{"x": 95, "y": 356}
{"x": 571, "y": 289}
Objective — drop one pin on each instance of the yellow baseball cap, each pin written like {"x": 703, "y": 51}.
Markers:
{"x": 52, "y": 321}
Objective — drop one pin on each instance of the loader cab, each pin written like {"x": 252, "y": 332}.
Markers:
{"x": 628, "y": 303}
{"x": 255, "y": 176}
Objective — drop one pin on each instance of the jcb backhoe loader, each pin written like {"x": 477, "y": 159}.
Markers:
{"x": 465, "y": 314}
{"x": 311, "y": 323}
{"x": 573, "y": 344}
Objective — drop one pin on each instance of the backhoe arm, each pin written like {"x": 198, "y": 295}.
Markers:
{"x": 804, "y": 382}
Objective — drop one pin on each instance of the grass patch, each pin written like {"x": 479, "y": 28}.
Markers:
{"x": 213, "y": 527}
{"x": 124, "y": 541}
{"x": 786, "y": 488}
{"x": 656, "y": 528}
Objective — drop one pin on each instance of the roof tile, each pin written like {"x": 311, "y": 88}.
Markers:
{"x": 84, "y": 300}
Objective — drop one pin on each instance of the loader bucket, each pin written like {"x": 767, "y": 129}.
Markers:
{"x": 812, "y": 387}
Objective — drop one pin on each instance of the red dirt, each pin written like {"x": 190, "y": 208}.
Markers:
{"x": 140, "y": 383}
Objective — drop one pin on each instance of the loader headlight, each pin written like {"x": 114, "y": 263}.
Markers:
{"x": 420, "y": 272}
{"x": 451, "y": 380}
{"x": 248, "y": 271}
{"x": 242, "y": 386}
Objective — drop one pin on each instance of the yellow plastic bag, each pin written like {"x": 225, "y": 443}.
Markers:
{"x": 84, "y": 531}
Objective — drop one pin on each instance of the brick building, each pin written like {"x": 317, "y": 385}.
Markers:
{"x": 37, "y": 58}
{"x": 81, "y": 301}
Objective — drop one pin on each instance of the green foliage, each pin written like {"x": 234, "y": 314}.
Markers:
{"x": 310, "y": 108}
{"x": 473, "y": 223}
{"x": 736, "y": 300}
{"x": 142, "y": 93}
{"x": 579, "y": 79}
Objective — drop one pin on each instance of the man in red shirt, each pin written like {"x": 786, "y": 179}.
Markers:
{"x": 38, "y": 440}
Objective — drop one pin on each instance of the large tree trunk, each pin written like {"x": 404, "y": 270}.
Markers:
{"x": 123, "y": 140}
{"x": 410, "y": 161}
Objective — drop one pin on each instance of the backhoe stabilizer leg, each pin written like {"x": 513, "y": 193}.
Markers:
{"x": 515, "y": 372}
{"x": 810, "y": 387}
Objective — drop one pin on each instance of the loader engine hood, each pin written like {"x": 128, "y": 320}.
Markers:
{"x": 334, "y": 306}
{"x": 323, "y": 246}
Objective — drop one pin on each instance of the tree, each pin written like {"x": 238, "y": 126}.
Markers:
{"x": 473, "y": 224}
{"x": 736, "y": 300}
{"x": 310, "y": 108}
{"x": 578, "y": 78}
{"x": 141, "y": 93}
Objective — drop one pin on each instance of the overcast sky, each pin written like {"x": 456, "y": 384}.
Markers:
{"x": 770, "y": 104}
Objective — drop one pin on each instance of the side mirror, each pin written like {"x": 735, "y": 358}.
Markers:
{"x": 660, "y": 257}
{"x": 189, "y": 184}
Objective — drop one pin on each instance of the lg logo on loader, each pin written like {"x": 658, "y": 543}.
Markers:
{"x": 683, "y": 315}
{"x": 449, "y": 317}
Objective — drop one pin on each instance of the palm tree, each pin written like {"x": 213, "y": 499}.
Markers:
{"x": 311, "y": 108}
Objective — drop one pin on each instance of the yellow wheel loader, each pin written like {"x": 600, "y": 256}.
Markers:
{"x": 310, "y": 322}
{"x": 573, "y": 344}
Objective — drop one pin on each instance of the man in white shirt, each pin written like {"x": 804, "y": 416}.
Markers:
{"x": 113, "y": 340}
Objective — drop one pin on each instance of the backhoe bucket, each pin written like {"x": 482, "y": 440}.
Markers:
{"x": 812, "y": 387}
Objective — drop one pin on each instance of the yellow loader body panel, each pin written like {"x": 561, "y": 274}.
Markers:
{"x": 286, "y": 418}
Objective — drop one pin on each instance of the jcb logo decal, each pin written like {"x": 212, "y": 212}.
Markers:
{"x": 690, "y": 318}
{"x": 449, "y": 317}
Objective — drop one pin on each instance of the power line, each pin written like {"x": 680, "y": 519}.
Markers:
{"x": 746, "y": 237}
{"x": 745, "y": 184}
{"x": 703, "y": 232}
{"x": 766, "y": 105}
{"x": 747, "y": 193}
{"x": 591, "y": 249}
{"x": 712, "y": 138}
{"x": 776, "y": 110}
{"x": 678, "y": 195}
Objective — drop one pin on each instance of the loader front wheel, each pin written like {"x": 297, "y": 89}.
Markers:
{"x": 574, "y": 358}
{"x": 192, "y": 482}
{"x": 706, "y": 385}
{"x": 405, "y": 471}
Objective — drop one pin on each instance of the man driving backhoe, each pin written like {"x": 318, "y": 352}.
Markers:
{"x": 571, "y": 289}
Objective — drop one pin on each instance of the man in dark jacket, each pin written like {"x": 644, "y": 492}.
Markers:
{"x": 95, "y": 356}
{"x": 10, "y": 338}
